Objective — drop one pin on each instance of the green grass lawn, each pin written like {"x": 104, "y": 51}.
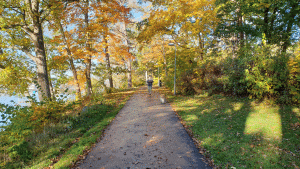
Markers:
{"x": 242, "y": 133}
{"x": 63, "y": 143}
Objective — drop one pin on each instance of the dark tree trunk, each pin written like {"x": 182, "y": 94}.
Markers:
{"x": 240, "y": 24}
{"x": 165, "y": 61}
{"x": 288, "y": 33}
{"x": 266, "y": 24}
{"x": 1, "y": 66}
{"x": 273, "y": 17}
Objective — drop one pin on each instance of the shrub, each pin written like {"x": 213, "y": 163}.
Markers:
{"x": 257, "y": 71}
{"x": 294, "y": 78}
{"x": 259, "y": 75}
{"x": 19, "y": 127}
{"x": 186, "y": 85}
{"x": 20, "y": 151}
{"x": 235, "y": 71}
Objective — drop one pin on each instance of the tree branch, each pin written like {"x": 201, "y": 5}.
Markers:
{"x": 1, "y": 66}
{"x": 25, "y": 50}
{"x": 28, "y": 31}
{"x": 16, "y": 10}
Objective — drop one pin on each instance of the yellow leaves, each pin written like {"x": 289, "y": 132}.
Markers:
{"x": 15, "y": 78}
{"x": 178, "y": 13}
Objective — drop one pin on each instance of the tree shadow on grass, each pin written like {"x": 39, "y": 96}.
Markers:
{"x": 290, "y": 145}
{"x": 239, "y": 132}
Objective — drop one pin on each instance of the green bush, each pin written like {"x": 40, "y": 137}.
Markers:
{"x": 20, "y": 151}
{"x": 294, "y": 78}
{"x": 259, "y": 76}
{"x": 186, "y": 83}
{"x": 19, "y": 127}
{"x": 256, "y": 71}
{"x": 235, "y": 71}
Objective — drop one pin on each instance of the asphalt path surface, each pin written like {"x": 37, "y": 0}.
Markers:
{"x": 145, "y": 135}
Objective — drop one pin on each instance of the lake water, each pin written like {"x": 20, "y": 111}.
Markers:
{"x": 12, "y": 100}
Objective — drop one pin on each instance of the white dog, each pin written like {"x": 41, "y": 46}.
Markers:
{"x": 163, "y": 99}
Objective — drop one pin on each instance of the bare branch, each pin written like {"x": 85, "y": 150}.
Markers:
{"x": 11, "y": 26}
{"x": 14, "y": 9}
{"x": 43, "y": 18}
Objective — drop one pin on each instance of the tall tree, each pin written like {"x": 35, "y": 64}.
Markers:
{"x": 88, "y": 59}
{"x": 108, "y": 14}
{"x": 123, "y": 31}
{"x": 27, "y": 17}
{"x": 173, "y": 18}
{"x": 273, "y": 21}
{"x": 108, "y": 66}
{"x": 58, "y": 21}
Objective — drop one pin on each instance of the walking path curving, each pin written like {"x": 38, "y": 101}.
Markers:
{"x": 145, "y": 135}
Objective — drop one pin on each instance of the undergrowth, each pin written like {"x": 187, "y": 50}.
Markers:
{"x": 56, "y": 133}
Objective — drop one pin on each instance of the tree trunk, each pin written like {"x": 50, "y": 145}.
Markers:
{"x": 88, "y": 62}
{"x": 266, "y": 25}
{"x": 75, "y": 76}
{"x": 52, "y": 89}
{"x": 129, "y": 75}
{"x": 273, "y": 17}
{"x": 165, "y": 60}
{"x": 201, "y": 46}
{"x": 1, "y": 53}
{"x": 111, "y": 85}
{"x": 42, "y": 72}
{"x": 240, "y": 24}
{"x": 126, "y": 40}
{"x": 288, "y": 33}
{"x": 40, "y": 60}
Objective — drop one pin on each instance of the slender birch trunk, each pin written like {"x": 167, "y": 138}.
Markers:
{"x": 111, "y": 85}
{"x": 72, "y": 66}
{"x": 88, "y": 60}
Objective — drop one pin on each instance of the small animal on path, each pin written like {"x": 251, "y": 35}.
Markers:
{"x": 163, "y": 99}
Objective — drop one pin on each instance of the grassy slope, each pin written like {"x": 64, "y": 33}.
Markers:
{"x": 240, "y": 132}
{"x": 64, "y": 143}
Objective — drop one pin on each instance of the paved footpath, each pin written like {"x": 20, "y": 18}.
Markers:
{"x": 145, "y": 135}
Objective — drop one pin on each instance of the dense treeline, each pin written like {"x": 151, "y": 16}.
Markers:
{"x": 239, "y": 47}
